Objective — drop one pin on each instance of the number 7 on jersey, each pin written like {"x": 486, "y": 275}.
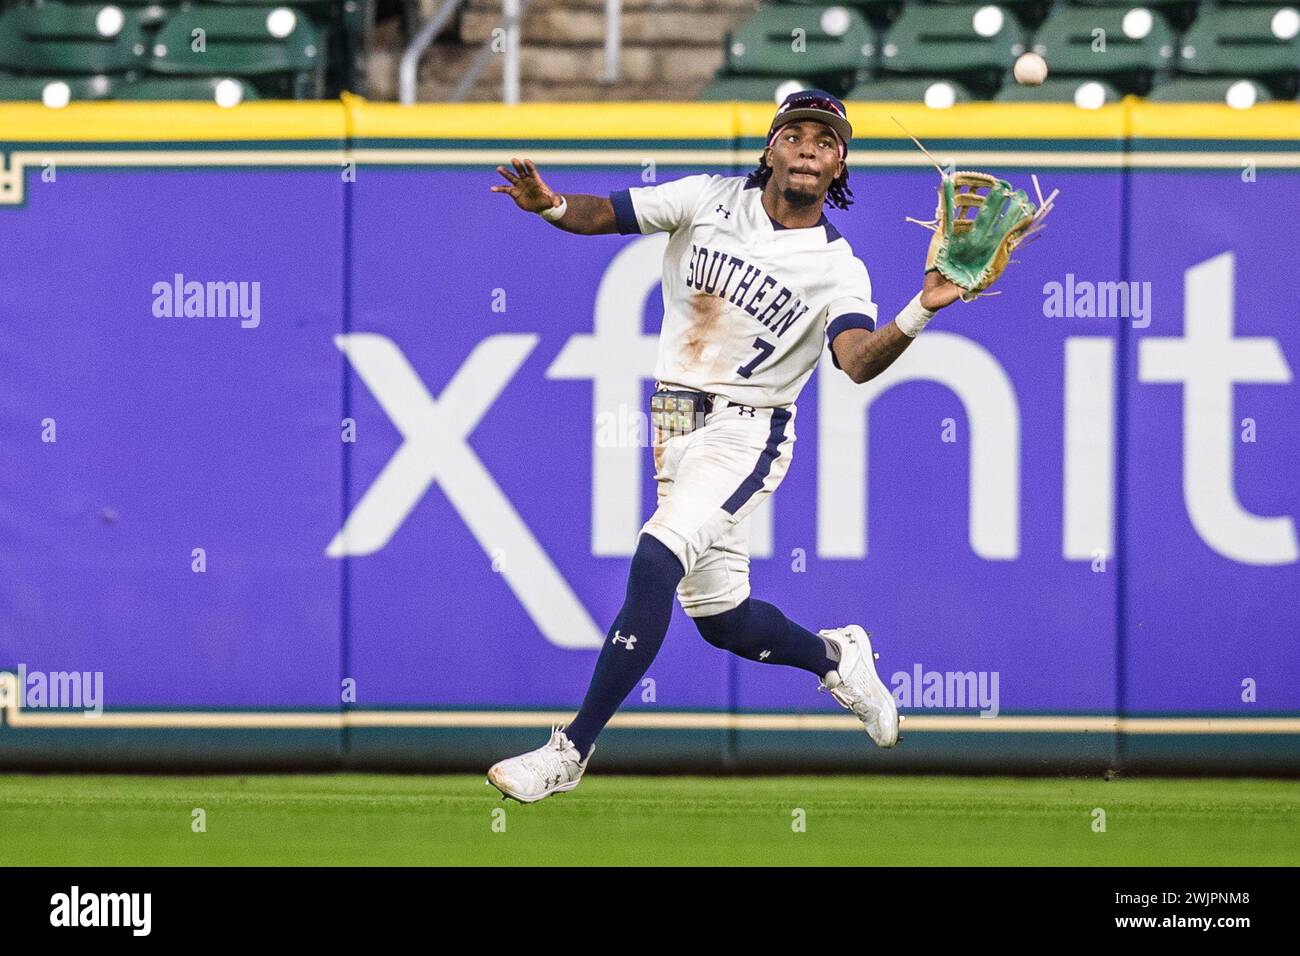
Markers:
{"x": 764, "y": 350}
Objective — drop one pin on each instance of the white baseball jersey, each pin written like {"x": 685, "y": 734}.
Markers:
{"x": 747, "y": 302}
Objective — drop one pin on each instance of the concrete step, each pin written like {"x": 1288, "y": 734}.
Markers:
{"x": 670, "y": 51}
{"x": 690, "y": 27}
{"x": 490, "y": 92}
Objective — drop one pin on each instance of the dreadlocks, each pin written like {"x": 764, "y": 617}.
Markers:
{"x": 839, "y": 195}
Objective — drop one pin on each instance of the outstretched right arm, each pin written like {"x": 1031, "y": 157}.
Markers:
{"x": 585, "y": 215}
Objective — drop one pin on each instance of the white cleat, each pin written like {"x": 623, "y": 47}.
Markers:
{"x": 554, "y": 767}
{"x": 856, "y": 685}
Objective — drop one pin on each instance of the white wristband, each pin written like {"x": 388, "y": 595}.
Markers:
{"x": 555, "y": 212}
{"x": 912, "y": 319}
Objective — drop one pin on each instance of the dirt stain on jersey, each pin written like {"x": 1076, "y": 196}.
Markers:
{"x": 706, "y": 312}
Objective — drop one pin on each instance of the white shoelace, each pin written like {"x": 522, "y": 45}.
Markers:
{"x": 549, "y": 761}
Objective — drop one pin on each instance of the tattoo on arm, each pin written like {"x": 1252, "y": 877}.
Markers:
{"x": 863, "y": 355}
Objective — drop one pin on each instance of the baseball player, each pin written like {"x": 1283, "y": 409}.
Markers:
{"x": 755, "y": 278}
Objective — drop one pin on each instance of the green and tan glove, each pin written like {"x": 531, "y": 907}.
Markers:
{"x": 980, "y": 219}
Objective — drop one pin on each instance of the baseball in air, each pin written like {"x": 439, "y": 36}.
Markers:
{"x": 1030, "y": 70}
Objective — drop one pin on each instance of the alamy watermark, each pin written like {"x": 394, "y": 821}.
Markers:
{"x": 956, "y": 690}
{"x": 624, "y": 428}
{"x": 61, "y": 690}
{"x": 1085, "y": 299}
{"x": 75, "y": 908}
{"x": 208, "y": 300}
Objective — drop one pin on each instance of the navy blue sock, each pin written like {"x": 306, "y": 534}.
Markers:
{"x": 758, "y": 631}
{"x": 633, "y": 640}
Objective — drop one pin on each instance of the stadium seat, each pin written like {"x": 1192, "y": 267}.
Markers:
{"x": 834, "y": 40}
{"x": 878, "y": 12}
{"x": 1179, "y": 13}
{"x": 1030, "y": 13}
{"x": 1244, "y": 41}
{"x": 1241, "y": 93}
{"x": 224, "y": 91}
{"x": 266, "y": 4}
{"x": 150, "y": 12}
{"x": 221, "y": 90}
{"x": 1081, "y": 91}
{"x": 750, "y": 88}
{"x": 1132, "y": 45}
{"x": 971, "y": 43}
{"x": 937, "y": 93}
{"x": 55, "y": 90}
{"x": 341, "y": 25}
{"x": 243, "y": 41}
{"x": 57, "y": 38}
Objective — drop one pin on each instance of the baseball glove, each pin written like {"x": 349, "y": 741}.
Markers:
{"x": 972, "y": 250}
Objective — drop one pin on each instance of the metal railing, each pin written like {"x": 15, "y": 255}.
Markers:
{"x": 409, "y": 68}
{"x": 613, "y": 38}
{"x": 512, "y": 12}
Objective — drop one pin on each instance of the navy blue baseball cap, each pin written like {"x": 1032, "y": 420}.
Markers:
{"x": 817, "y": 105}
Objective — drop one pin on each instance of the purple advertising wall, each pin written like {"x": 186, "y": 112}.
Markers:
{"x": 389, "y": 507}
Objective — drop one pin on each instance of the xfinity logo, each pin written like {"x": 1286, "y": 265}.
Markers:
{"x": 1206, "y": 361}
{"x": 102, "y": 909}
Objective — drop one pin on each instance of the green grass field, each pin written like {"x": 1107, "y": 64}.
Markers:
{"x": 411, "y": 820}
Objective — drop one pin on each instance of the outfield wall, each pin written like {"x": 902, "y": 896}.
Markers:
{"x": 1097, "y": 509}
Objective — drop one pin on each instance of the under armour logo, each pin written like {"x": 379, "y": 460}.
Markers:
{"x": 747, "y": 410}
{"x": 765, "y": 655}
{"x": 726, "y": 213}
{"x": 629, "y": 640}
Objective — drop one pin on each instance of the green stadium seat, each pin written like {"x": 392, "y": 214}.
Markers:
{"x": 57, "y": 38}
{"x": 1082, "y": 91}
{"x": 750, "y": 88}
{"x": 243, "y": 42}
{"x": 38, "y": 88}
{"x": 1179, "y": 13}
{"x": 342, "y": 25}
{"x": 1243, "y": 41}
{"x": 1030, "y": 13}
{"x": 878, "y": 12}
{"x": 1133, "y": 44}
{"x": 225, "y": 91}
{"x": 1204, "y": 89}
{"x": 834, "y": 39}
{"x": 938, "y": 93}
{"x": 967, "y": 42}
{"x": 150, "y": 12}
